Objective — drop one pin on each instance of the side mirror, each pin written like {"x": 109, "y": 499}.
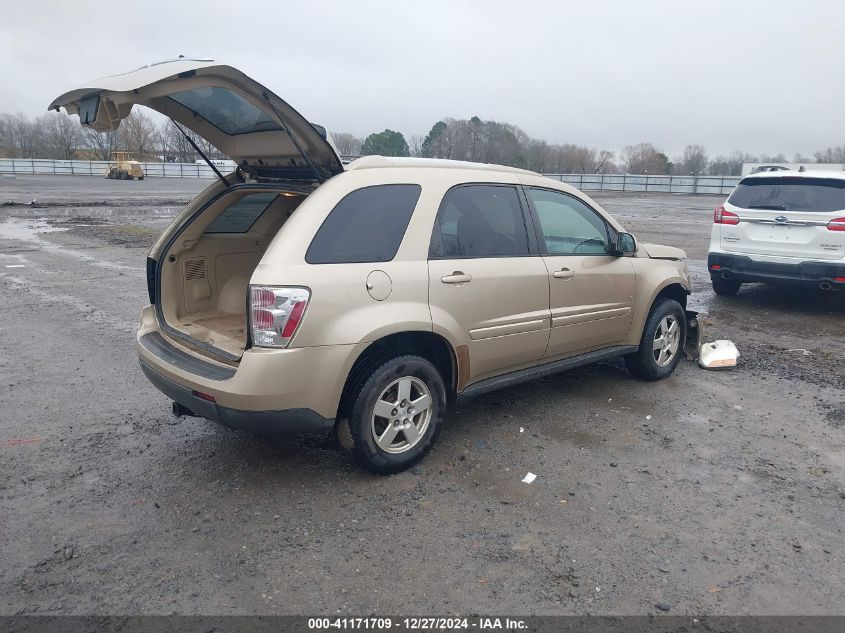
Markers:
{"x": 626, "y": 244}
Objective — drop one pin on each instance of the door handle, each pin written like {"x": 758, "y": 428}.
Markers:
{"x": 457, "y": 277}
{"x": 564, "y": 273}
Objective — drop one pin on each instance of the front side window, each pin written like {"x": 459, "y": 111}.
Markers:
{"x": 790, "y": 194}
{"x": 240, "y": 217}
{"x": 366, "y": 226}
{"x": 479, "y": 221}
{"x": 228, "y": 111}
{"x": 568, "y": 226}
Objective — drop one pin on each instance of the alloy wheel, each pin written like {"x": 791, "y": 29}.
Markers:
{"x": 401, "y": 415}
{"x": 667, "y": 340}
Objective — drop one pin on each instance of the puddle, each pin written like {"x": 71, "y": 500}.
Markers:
{"x": 27, "y": 230}
{"x": 61, "y": 212}
{"x": 30, "y": 231}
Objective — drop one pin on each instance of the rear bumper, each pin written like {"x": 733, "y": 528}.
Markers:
{"x": 274, "y": 390}
{"x": 746, "y": 270}
{"x": 268, "y": 422}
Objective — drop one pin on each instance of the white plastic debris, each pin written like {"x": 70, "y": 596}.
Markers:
{"x": 804, "y": 352}
{"x": 15, "y": 266}
{"x": 648, "y": 417}
{"x": 529, "y": 478}
{"x": 521, "y": 430}
{"x": 718, "y": 355}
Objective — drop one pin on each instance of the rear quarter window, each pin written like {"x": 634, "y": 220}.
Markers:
{"x": 240, "y": 217}
{"x": 365, "y": 226}
{"x": 790, "y": 194}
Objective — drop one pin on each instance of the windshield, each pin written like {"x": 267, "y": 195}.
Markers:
{"x": 790, "y": 194}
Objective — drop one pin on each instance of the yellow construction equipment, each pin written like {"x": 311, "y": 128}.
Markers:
{"x": 122, "y": 168}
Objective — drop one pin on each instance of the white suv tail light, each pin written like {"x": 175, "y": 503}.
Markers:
{"x": 722, "y": 216}
{"x": 837, "y": 224}
{"x": 275, "y": 313}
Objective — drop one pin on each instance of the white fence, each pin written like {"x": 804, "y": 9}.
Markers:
{"x": 721, "y": 185}
{"x": 98, "y": 168}
{"x": 586, "y": 182}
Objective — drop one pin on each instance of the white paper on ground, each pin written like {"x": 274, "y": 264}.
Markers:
{"x": 529, "y": 478}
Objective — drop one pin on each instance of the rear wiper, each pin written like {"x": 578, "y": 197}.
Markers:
{"x": 770, "y": 207}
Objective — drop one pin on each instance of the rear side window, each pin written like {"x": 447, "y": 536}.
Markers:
{"x": 790, "y": 194}
{"x": 479, "y": 221}
{"x": 366, "y": 226}
{"x": 240, "y": 217}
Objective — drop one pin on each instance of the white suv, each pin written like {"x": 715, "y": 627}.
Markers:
{"x": 783, "y": 227}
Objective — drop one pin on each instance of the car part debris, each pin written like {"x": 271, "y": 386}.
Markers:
{"x": 693, "y": 340}
{"x": 718, "y": 355}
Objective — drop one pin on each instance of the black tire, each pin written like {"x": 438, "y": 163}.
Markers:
{"x": 140, "y": 177}
{"x": 725, "y": 287}
{"x": 643, "y": 363}
{"x": 370, "y": 387}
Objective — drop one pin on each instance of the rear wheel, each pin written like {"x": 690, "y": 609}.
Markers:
{"x": 662, "y": 343}
{"x": 395, "y": 414}
{"x": 725, "y": 287}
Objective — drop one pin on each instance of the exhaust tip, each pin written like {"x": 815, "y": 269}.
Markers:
{"x": 180, "y": 411}
{"x": 825, "y": 285}
{"x": 726, "y": 275}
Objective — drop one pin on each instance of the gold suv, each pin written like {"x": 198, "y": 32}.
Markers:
{"x": 298, "y": 294}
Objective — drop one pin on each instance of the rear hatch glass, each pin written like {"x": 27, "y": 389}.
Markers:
{"x": 790, "y": 194}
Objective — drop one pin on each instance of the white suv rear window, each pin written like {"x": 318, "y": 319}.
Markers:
{"x": 790, "y": 194}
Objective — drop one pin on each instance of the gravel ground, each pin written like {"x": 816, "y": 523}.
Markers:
{"x": 709, "y": 492}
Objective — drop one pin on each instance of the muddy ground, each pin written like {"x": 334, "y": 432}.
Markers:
{"x": 709, "y": 492}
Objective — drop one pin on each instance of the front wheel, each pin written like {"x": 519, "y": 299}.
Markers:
{"x": 662, "y": 343}
{"x": 395, "y": 414}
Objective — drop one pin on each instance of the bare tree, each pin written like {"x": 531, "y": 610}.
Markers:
{"x": 22, "y": 136}
{"x": 137, "y": 133}
{"x": 347, "y": 144}
{"x": 415, "y": 142}
{"x": 174, "y": 146}
{"x": 831, "y": 155}
{"x": 730, "y": 165}
{"x": 771, "y": 158}
{"x": 693, "y": 161}
{"x": 99, "y": 145}
{"x": 62, "y": 135}
{"x": 644, "y": 159}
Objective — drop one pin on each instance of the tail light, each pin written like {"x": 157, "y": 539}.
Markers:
{"x": 721, "y": 216}
{"x": 275, "y": 314}
{"x": 837, "y": 224}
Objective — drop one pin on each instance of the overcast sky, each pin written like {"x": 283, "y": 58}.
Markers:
{"x": 761, "y": 76}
